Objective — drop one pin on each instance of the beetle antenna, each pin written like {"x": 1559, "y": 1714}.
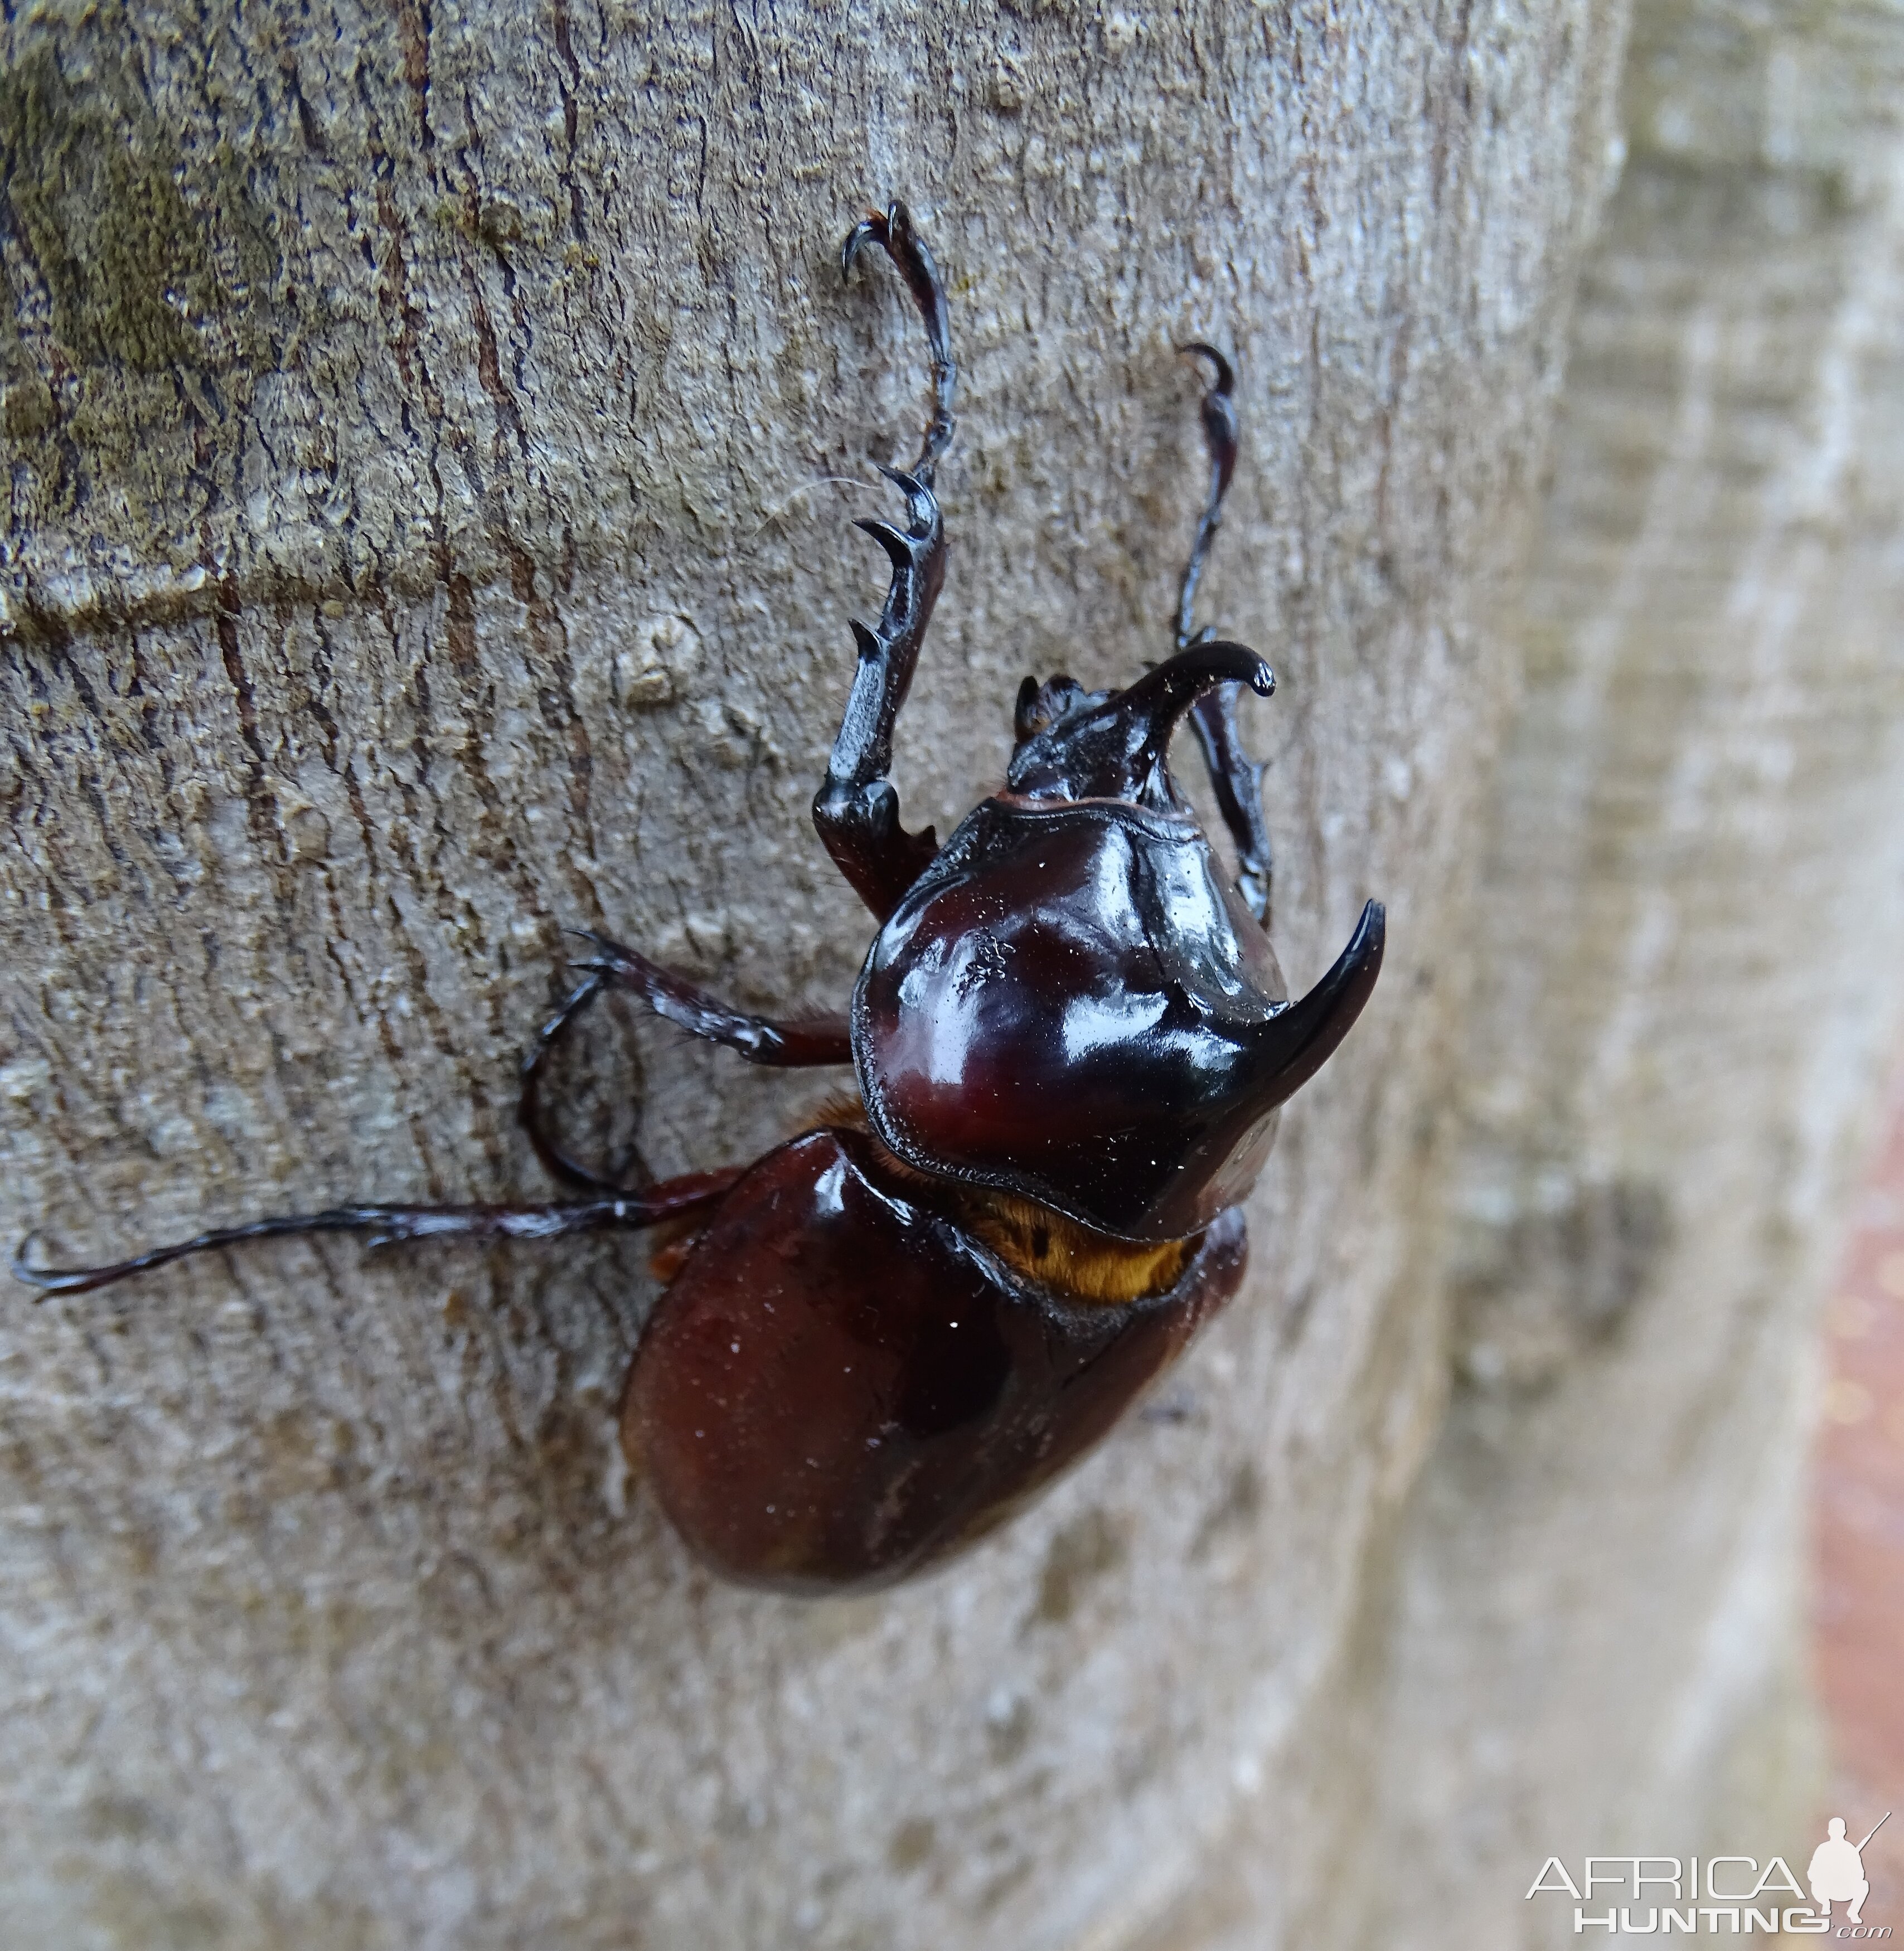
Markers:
{"x": 891, "y": 230}
{"x": 387, "y": 1224}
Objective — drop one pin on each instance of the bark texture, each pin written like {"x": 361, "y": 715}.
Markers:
{"x": 430, "y": 439}
{"x": 1694, "y": 906}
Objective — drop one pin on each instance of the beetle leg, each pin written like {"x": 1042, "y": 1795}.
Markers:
{"x": 784, "y": 1043}
{"x": 387, "y": 1224}
{"x": 532, "y": 1118}
{"x": 1238, "y": 779}
{"x": 856, "y": 810}
{"x": 891, "y": 230}
{"x": 1222, "y": 435}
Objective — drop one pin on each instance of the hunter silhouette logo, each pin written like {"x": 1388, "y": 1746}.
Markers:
{"x": 1837, "y": 1872}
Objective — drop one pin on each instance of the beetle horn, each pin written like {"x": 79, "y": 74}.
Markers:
{"x": 1162, "y": 695}
{"x": 1112, "y": 746}
{"x": 1146, "y": 712}
{"x": 1297, "y": 1041}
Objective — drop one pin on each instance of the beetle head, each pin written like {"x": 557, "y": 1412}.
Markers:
{"x": 1074, "y": 744}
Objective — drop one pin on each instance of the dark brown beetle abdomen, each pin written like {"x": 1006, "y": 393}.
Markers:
{"x": 841, "y": 1385}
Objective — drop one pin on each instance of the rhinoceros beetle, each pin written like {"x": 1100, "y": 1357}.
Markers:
{"x": 1071, "y": 1040}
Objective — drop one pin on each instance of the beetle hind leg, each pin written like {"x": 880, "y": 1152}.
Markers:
{"x": 386, "y": 1225}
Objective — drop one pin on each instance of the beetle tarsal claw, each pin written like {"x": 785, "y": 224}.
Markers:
{"x": 1225, "y": 381}
{"x": 922, "y": 508}
{"x": 38, "y": 1277}
{"x": 902, "y": 548}
{"x": 873, "y": 228}
{"x": 1296, "y": 1042}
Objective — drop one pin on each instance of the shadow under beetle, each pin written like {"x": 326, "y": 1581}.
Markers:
{"x": 1070, "y": 1039}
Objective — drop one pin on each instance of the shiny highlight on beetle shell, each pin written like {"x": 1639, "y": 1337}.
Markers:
{"x": 1071, "y": 1005}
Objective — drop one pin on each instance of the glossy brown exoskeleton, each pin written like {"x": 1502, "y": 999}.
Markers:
{"x": 1071, "y": 1040}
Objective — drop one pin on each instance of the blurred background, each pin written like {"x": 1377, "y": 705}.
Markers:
{"x": 1858, "y": 1514}
{"x": 1687, "y": 1022}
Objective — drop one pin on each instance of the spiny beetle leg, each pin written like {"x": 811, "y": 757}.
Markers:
{"x": 891, "y": 229}
{"x": 1222, "y": 435}
{"x": 856, "y": 810}
{"x": 1238, "y": 780}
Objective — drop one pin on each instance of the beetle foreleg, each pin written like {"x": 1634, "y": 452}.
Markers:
{"x": 891, "y": 230}
{"x": 1222, "y": 435}
{"x": 856, "y": 811}
{"x": 1238, "y": 780}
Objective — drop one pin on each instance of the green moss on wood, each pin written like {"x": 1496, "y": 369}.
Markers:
{"x": 140, "y": 296}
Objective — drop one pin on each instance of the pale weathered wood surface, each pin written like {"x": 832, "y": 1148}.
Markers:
{"x": 431, "y": 436}
{"x": 1695, "y": 900}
